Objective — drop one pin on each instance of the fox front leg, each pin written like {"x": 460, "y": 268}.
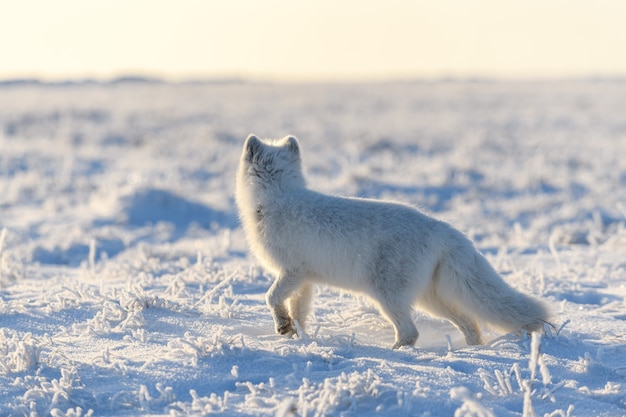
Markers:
{"x": 281, "y": 289}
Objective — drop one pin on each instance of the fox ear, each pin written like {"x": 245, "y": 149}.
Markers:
{"x": 292, "y": 144}
{"x": 252, "y": 147}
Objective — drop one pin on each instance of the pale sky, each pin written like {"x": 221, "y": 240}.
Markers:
{"x": 312, "y": 40}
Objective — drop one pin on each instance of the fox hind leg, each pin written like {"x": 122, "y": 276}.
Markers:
{"x": 403, "y": 324}
{"x": 467, "y": 325}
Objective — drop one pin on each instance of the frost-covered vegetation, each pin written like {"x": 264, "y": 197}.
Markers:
{"x": 126, "y": 287}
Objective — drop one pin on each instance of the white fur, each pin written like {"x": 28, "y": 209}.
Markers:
{"x": 394, "y": 253}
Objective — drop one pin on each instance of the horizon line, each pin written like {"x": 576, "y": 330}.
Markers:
{"x": 138, "y": 78}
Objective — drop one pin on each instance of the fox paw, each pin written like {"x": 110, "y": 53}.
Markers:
{"x": 404, "y": 342}
{"x": 287, "y": 328}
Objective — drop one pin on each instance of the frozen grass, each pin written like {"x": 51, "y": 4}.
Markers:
{"x": 126, "y": 287}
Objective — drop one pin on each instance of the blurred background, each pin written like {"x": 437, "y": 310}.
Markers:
{"x": 324, "y": 40}
{"x": 502, "y": 117}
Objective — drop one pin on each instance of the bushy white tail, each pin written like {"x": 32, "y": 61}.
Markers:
{"x": 476, "y": 290}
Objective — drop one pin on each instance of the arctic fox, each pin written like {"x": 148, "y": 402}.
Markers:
{"x": 392, "y": 252}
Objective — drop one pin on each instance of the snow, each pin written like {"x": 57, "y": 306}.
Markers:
{"x": 126, "y": 287}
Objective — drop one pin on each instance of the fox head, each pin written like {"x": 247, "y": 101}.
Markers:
{"x": 271, "y": 164}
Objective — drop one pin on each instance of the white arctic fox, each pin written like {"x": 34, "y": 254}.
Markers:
{"x": 394, "y": 253}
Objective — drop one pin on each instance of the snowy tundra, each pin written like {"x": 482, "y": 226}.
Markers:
{"x": 127, "y": 287}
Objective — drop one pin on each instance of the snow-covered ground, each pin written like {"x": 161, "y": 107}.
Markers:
{"x": 126, "y": 287}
